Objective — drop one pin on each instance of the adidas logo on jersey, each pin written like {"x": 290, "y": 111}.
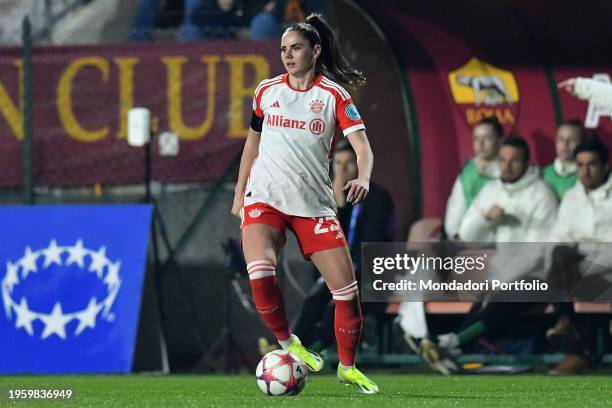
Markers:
{"x": 281, "y": 121}
{"x": 275, "y": 105}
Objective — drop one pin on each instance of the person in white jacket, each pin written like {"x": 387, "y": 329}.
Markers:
{"x": 519, "y": 207}
{"x": 584, "y": 219}
{"x": 585, "y": 214}
{"x": 483, "y": 167}
{"x": 600, "y": 93}
{"x": 480, "y": 169}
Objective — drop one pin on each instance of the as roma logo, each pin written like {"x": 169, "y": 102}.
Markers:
{"x": 481, "y": 90}
{"x": 317, "y": 126}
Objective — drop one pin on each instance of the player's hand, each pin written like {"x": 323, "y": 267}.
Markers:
{"x": 358, "y": 189}
{"x": 569, "y": 85}
{"x": 494, "y": 213}
{"x": 237, "y": 205}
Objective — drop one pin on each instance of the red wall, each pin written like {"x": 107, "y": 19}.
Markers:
{"x": 532, "y": 43}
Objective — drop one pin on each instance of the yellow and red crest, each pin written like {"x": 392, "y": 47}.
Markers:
{"x": 481, "y": 90}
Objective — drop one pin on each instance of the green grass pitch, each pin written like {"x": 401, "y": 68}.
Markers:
{"x": 322, "y": 391}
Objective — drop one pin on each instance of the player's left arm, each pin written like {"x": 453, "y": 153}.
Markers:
{"x": 358, "y": 189}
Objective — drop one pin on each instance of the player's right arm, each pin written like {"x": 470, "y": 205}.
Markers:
{"x": 249, "y": 154}
{"x": 251, "y": 149}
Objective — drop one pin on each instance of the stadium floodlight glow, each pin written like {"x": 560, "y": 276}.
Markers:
{"x": 139, "y": 127}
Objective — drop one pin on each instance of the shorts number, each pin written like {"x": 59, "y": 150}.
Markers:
{"x": 319, "y": 229}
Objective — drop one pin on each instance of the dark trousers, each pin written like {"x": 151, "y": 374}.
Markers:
{"x": 496, "y": 316}
{"x": 315, "y": 321}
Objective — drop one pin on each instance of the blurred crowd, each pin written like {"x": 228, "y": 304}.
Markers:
{"x": 220, "y": 19}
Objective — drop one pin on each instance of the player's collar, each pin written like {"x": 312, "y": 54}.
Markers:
{"x": 318, "y": 79}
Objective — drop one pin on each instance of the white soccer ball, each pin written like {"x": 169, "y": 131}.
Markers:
{"x": 281, "y": 373}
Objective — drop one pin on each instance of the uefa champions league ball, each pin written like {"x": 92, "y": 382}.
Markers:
{"x": 281, "y": 373}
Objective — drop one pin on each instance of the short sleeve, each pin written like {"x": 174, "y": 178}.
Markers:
{"x": 259, "y": 92}
{"x": 257, "y": 105}
{"x": 348, "y": 116}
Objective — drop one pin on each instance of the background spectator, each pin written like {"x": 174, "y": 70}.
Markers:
{"x": 368, "y": 221}
{"x": 561, "y": 174}
{"x": 144, "y": 23}
{"x": 211, "y": 19}
{"x": 583, "y": 219}
{"x": 486, "y": 135}
{"x": 265, "y": 25}
{"x": 519, "y": 207}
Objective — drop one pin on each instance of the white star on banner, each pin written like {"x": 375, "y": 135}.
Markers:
{"x": 98, "y": 260}
{"x": 6, "y": 299}
{"x": 11, "y": 278}
{"x": 55, "y": 323}
{"x": 24, "y": 316}
{"x": 76, "y": 254}
{"x": 112, "y": 277}
{"x": 108, "y": 302}
{"x": 87, "y": 318}
{"x": 28, "y": 262}
{"x": 53, "y": 254}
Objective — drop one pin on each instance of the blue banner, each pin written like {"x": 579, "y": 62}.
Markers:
{"x": 71, "y": 282}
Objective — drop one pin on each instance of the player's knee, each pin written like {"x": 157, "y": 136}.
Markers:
{"x": 261, "y": 268}
{"x": 348, "y": 292}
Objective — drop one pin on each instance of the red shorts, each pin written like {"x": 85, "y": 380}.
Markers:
{"x": 313, "y": 234}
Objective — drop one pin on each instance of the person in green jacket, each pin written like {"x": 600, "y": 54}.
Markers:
{"x": 478, "y": 171}
{"x": 561, "y": 174}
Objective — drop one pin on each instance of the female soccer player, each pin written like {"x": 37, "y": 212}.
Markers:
{"x": 284, "y": 183}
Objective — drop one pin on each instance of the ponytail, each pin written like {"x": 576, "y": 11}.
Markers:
{"x": 331, "y": 63}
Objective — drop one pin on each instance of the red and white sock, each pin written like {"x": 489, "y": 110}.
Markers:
{"x": 268, "y": 298}
{"x": 348, "y": 322}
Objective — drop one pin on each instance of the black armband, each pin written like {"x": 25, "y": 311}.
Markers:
{"x": 256, "y": 122}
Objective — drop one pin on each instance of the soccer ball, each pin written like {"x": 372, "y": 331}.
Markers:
{"x": 281, "y": 373}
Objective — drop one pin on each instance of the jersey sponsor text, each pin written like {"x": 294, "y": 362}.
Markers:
{"x": 281, "y": 121}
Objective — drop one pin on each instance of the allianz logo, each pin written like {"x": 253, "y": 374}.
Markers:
{"x": 281, "y": 121}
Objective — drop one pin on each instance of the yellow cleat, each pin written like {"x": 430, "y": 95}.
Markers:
{"x": 353, "y": 376}
{"x": 313, "y": 360}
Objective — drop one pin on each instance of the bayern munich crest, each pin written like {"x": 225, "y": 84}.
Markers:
{"x": 39, "y": 262}
{"x": 255, "y": 212}
{"x": 316, "y": 106}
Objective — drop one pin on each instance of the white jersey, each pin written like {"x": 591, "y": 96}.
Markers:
{"x": 291, "y": 172}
